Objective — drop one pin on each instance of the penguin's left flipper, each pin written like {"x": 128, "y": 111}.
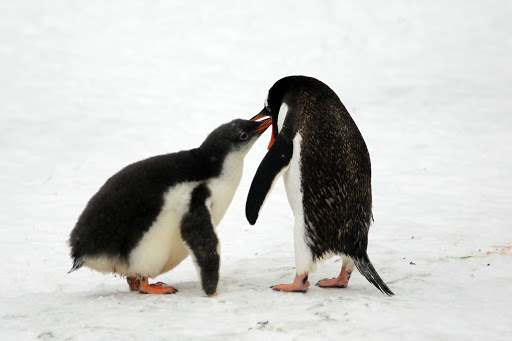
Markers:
{"x": 274, "y": 163}
{"x": 198, "y": 233}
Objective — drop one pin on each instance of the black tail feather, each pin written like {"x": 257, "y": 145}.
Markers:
{"x": 366, "y": 269}
{"x": 77, "y": 264}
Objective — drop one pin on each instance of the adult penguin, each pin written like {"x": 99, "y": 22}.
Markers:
{"x": 318, "y": 148}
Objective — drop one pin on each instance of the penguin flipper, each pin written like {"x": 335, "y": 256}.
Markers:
{"x": 199, "y": 234}
{"x": 366, "y": 269}
{"x": 271, "y": 167}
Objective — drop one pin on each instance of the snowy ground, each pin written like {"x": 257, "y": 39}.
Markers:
{"x": 89, "y": 87}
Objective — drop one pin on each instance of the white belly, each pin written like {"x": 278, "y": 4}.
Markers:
{"x": 224, "y": 187}
{"x": 161, "y": 248}
{"x": 293, "y": 185}
{"x": 292, "y": 180}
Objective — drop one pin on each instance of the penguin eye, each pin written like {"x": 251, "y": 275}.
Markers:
{"x": 244, "y": 136}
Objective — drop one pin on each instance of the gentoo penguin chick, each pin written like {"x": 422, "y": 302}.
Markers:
{"x": 327, "y": 176}
{"x": 149, "y": 216}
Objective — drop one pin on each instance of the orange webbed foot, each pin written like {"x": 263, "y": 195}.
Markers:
{"x": 157, "y": 288}
{"x": 332, "y": 283}
{"x": 300, "y": 284}
{"x": 339, "y": 282}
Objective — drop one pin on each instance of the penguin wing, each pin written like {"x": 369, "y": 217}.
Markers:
{"x": 273, "y": 165}
{"x": 199, "y": 234}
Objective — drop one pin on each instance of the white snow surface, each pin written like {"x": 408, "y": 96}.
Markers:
{"x": 89, "y": 87}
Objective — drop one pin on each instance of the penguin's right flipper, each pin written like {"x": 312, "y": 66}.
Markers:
{"x": 273, "y": 165}
{"x": 198, "y": 233}
{"x": 366, "y": 269}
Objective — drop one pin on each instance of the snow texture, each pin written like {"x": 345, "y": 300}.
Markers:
{"x": 89, "y": 87}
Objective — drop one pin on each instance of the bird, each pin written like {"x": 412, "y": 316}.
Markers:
{"x": 153, "y": 213}
{"x": 326, "y": 168}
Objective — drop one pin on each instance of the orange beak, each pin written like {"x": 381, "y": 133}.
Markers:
{"x": 266, "y": 123}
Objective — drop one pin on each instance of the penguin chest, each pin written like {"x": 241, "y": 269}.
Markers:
{"x": 293, "y": 180}
{"x": 223, "y": 187}
{"x": 161, "y": 247}
{"x": 292, "y": 177}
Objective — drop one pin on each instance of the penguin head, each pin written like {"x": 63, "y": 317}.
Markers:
{"x": 236, "y": 136}
{"x": 276, "y": 102}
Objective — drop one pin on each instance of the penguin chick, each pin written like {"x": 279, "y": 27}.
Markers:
{"x": 149, "y": 216}
{"x": 327, "y": 175}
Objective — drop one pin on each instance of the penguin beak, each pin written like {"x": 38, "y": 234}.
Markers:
{"x": 264, "y": 114}
{"x": 264, "y": 125}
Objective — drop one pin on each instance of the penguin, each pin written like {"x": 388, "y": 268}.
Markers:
{"x": 326, "y": 169}
{"x": 152, "y": 214}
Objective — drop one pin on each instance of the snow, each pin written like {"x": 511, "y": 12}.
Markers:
{"x": 89, "y": 87}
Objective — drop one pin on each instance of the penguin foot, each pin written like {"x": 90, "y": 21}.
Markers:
{"x": 332, "y": 283}
{"x": 338, "y": 282}
{"x": 157, "y": 288}
{"x": 300, "y": 284}
{"x": 133, "y": 283}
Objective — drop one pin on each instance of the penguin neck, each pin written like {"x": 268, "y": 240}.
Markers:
{"x": 233, "y": 164}
{"x": 224, "y": 185}
{"x": 213, "y": 157}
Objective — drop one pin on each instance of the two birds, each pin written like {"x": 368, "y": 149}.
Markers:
{"x": 148, "y": 217}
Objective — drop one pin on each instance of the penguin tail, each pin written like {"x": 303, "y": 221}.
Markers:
{"x": 77, "y": 264}
{"x": 366, "y": 268}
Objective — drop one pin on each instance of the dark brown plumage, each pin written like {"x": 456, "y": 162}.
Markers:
{"x": 335, "y": 171}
